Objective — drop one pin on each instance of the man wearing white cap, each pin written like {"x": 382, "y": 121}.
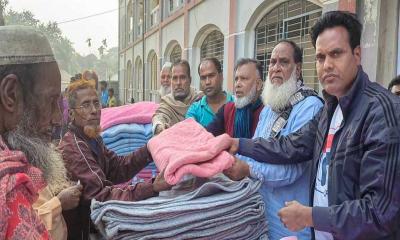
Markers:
{"x": 165, "y": 80}
{"x": 29, "y": 93}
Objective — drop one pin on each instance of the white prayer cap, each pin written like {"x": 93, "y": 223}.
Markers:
{"x": 167, "y": 66}
{"x": 23, "y": 45}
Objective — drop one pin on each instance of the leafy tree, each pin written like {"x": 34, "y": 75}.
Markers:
{"x": 67, "y": 58}
{"x": 3, "y": 4}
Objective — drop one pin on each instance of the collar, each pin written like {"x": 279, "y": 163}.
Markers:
{"x": 203, "y": 101}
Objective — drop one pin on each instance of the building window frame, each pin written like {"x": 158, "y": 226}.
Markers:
{"x": 218, "y": 42}
{"x": 268, "y": 32}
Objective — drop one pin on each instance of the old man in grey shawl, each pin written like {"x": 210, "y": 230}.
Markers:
{"x": 174, "y": 106}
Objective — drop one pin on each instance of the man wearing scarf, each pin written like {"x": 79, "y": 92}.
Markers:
{"x": 173, "y": 106}
{"x": 240, "y": 118}
{"x": 31, "y": 171}
{"x": 280, "y": 95}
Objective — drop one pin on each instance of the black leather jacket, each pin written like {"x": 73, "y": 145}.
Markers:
{"x": 364, "y": 170}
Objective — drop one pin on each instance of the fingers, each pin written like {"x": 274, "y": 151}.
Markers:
{"x": 234, "y": 146}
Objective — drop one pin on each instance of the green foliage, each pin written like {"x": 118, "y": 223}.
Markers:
{"x": 3, "y": 5}
{"x": 68, "y": 59}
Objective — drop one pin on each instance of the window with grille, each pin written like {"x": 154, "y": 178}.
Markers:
{"x": 176, "y": 54}
{"x": 291, "y": 20}
{"x": 213, "y": 46}
{"x": 153, "y": 72}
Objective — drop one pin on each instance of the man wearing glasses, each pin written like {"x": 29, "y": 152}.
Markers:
{"x": 211, "y": 78}
{"x": 97, "y": 168}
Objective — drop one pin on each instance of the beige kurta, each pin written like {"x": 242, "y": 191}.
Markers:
{"x": 48, "y": 208}
{"x": 172, "y": 111}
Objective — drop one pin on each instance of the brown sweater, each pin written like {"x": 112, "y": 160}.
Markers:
{"x": 100, "y": 170}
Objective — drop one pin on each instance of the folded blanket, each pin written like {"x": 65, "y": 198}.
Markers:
{"x": 108, "y": 140}
{"x": 126, "y": 143}
{"x": 217, "y": 208}
{"x": 187, "y": 148}
{"x": 134, "y": 128}
{"x": 140, "y": 112}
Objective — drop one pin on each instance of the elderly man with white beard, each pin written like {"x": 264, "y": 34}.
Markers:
{"x": 288, "y": 106}
{"x": 34, "y": 188}
{"x": 240, "y": 118}
{"x": 165, "y": 80}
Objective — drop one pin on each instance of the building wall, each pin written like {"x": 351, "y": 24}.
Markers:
{"x": 169, "y": 35}
{"x": 237, "y": 20}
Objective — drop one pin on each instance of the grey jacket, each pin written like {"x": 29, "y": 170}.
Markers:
{"x": 364, "y": 170}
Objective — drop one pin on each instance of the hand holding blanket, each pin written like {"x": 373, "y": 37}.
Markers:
{"x": 187, "y": 148}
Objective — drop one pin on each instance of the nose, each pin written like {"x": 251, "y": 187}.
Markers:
{"x": 275, "y": 68}
{"x": 93, "y": 109}
{"x": 238, "y": 84}
{"x": 208, "y": 80}
{"x": 328, "y": 64}
{"x": 179, "y": 82}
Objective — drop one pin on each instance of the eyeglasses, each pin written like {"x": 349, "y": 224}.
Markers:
{"x": 87, "y": 106}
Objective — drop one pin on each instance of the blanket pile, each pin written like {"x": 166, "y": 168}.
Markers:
{"x": 188, "y": 149}
{"x": 127, "y": 128}
{"x": 217, "y": 208}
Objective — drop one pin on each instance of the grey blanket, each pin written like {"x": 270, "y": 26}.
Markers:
{"x": 214, "y": 209}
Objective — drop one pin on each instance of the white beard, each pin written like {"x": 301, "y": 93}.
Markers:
{"x": 164, "y": 91}
{"x": 277, "y": 97}
{"x": 246, "y": 100}
{"x": 40, "y": 154}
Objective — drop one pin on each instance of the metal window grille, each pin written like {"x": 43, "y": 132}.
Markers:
{"x": 176, "y": 54}
{"x": 291, "y": 20}
{"x": 213, "y": 46}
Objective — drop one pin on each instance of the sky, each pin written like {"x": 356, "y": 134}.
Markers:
{"x": 97, "y": 28}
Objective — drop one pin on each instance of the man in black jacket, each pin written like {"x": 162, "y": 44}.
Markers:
{"x": 354, "y": 143}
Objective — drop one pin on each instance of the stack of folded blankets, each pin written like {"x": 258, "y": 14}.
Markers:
{"x": 216, "y": 208}
{"x": 187, "y": 149}
{"x": 127, "y": 128}
{"x": 208, "y": 205}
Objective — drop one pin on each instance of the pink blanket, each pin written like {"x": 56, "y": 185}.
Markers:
{"x": 140, "y": 113}
{"x": 187, "y": 148}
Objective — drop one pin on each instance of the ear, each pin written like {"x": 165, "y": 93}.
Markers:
{"x": 71, "y": 114}
{"x": 298, "y": 70}
{"x": 10, "y": 93}
{"x": 357, "y": 54}
{"x": 259, "y": 85}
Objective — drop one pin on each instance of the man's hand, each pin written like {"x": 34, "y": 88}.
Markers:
{"x": 160, "y": 184}
{"x": 70, "y": 196}
{"x": 238, "y": 171}
{"x": 295, "y": 216}
{"x": 234, "y": 146}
